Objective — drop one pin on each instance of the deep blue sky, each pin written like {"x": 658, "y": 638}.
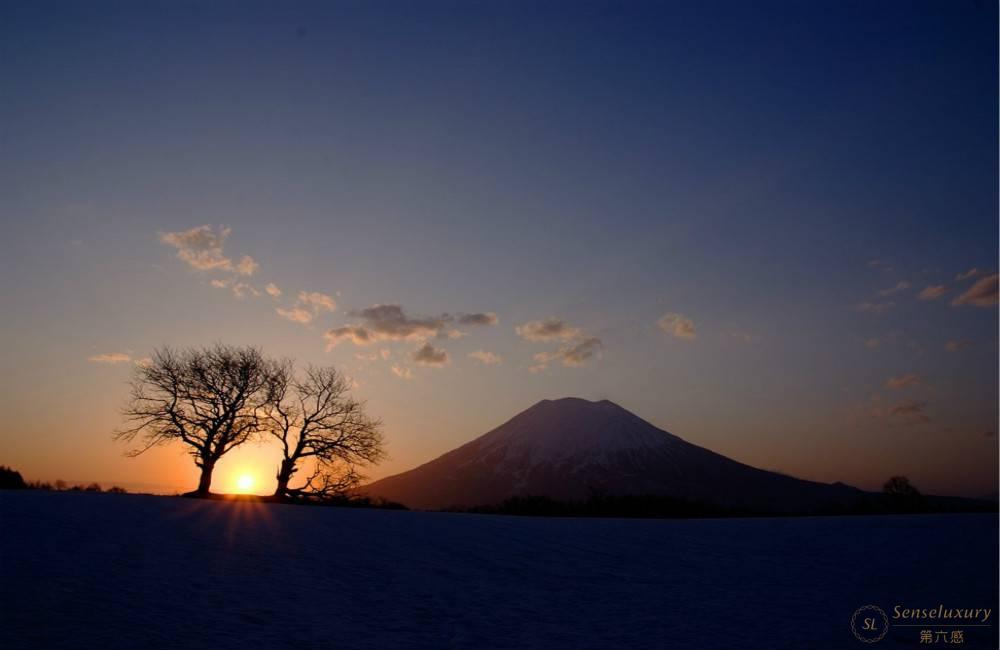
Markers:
{"x": 762, "y": 170}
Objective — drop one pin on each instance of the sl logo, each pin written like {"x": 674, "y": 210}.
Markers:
{"x": 869, "y": 623}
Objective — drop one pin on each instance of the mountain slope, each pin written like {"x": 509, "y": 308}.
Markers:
{"x": 565, "y": 449}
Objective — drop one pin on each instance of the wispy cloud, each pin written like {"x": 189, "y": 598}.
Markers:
{"x": 900, "y": 286}
{"x": 308, "y": 306}
{"x": 247, "y": 266}
{"x": 483, "y": 318}
{"x": 933, "y": 292}
{"x": 243, "y": 289}
{"x": 981, "y": 294}
{"x": 888, "y": 339}
{"x": 573, "y": 354}
{"x": 955, "y": 346}
{"x": 239, "y": 288}
{"x": 902, "y": 381}
{"x": 402, "y": 372}
{"x": 879, "y": 264}
{"x": 910, "y": 409}
{"x": 201, "y": 248}
{"x": 295, "y": 314}
{"x": 874, "y": 307}
{"x": 428, "y": 355}
{"x": 971, "y": 273}
{"x": 272, "y": 290}
{"x": 907, "y": 411}
{"x": 317, "y": 301}
{"x": 387, "y": 323}
{"x": 576, "y": 348}
{"x": 486, "y": 358}
{"x": 677, "y": 325}
{"x": 546, "y": 330}
{"x": 579, "y": 353}
{"x": 392, "y": 323}
{"x": 111, "y": 357}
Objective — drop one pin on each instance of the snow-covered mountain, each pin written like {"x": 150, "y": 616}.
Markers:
{"x": 565, "y": 449}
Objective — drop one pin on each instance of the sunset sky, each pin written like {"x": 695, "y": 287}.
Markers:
{"x": 769, "y": 228}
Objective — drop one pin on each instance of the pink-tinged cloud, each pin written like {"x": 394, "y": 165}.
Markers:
{"x": 392, "y": 323}
{"x": 201, "y": 248}
{"x": 900, "y": 286}
{"x": 387, "y": 323}
{"x": 111, "y": 357}
{"x": 428, "y": 355}
{"x": 909, "y": 379}
{"x": 486, "y": 358}
{"x": 546, "y": 330}
{"x": 295, "y": 314}
{"x": 483, "y": 318}
{"x": 316, "y": 301}
{"x": 955, "y": 346}
{"x": 981, "y": 294}
{"x": 677, "y": 325}
{"x": 933, "y": 292}
{"x": 308, "y": 306}
{"x": 910, "y": 409}
{"x": 242, "y": 289}
{"x": 573, "y": 355}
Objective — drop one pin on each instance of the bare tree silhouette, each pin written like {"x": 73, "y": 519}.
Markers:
{"x": 210, "y": 399}
{"x": 314, "y": 418}
{"x": 900, "y": 486}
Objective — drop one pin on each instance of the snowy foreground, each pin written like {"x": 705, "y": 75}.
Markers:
{"x": 140, "y": 572}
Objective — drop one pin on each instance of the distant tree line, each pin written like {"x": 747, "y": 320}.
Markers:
{"x": 898, "y": 496}
{"x": 11, "y": 479}
{"x": 215, "y": 399}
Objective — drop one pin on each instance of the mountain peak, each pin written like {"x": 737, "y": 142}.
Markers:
{"x": 564, "y": 448}
{"x": 576, "y": 402}
{"x": 555, "y": 430}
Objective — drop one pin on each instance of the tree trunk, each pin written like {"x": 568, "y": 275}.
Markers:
{"x": 205, "y": 482}
{"x": 284, "y": 477}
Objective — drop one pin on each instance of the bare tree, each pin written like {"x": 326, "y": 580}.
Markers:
{"x": 899, "y": 485}
{"x": 210, "y": 399}
{"x": 314, "y": 419}
{"x": 903, "y": 495}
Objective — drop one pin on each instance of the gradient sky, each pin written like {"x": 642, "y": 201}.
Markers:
{"x": 756, "y": 222}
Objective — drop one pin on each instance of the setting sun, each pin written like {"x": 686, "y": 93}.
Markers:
{"x": 244, "y": 483}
